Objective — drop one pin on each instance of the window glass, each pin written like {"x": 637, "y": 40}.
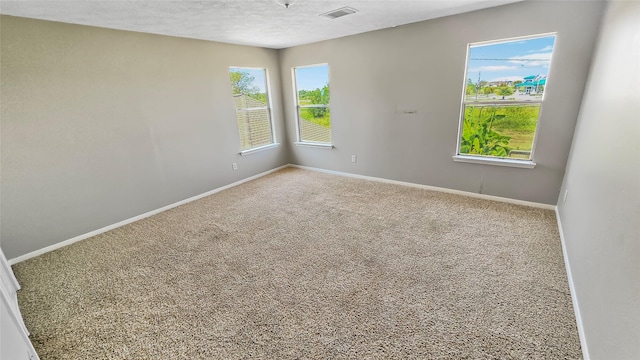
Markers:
{"x": 503, "y": 94}
{"x": 312, "y": 98}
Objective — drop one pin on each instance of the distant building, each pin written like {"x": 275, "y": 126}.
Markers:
{"x": 502, "y": 83}
{"x": 243, "y": 101}
{"x": 532, "y": 84}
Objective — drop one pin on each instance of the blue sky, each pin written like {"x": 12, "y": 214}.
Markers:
{"x": 258, "y": 75}
{"x": 510, "y": 60}
{"x": 311, "y": 78}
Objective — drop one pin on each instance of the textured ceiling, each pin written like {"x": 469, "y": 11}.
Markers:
{"x": 248, "y": 22}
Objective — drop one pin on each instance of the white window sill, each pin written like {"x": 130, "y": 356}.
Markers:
{"x": 526, "y": 164}
{"x": 258, "y": 149}
{"x": 313, "y": 144}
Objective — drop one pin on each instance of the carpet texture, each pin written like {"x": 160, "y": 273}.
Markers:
{"x": 305, "y": 265}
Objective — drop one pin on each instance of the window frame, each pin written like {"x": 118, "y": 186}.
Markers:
{"x": 269, "y": 109}
{"x": 495, "y": 160}
{"x": 299, "y": 107}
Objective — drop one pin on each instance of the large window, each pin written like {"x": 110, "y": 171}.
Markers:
{"x": 251, "y": 99}
{"x": 503, "y": 93}
{"x": 312, "y": 103}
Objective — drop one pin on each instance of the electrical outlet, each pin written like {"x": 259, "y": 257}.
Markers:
{"x": 566, "y": 193}
{"x": 354, "y": 159}
{"x": 234, "y": 166}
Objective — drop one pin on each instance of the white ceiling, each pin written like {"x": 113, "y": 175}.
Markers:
{"x": 247, "y": 22}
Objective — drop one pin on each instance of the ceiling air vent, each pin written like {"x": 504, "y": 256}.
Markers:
{"x": 334, "y": 14}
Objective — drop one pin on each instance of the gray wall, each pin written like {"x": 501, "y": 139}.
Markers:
{"x": 601, "y": 216}
{"x": 101, "y": 125}
{"x": 421, "y": 67}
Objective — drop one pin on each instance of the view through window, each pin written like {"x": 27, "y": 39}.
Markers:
{"x": 251, "y": 99}
{"x": 312, "y": 95}
{"x": 505, "y": 86}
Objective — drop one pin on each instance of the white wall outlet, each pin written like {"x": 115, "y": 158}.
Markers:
{"x": 354, "y": 159}
{"x": 566, "y": 193}
{"x": 234, "y": 166}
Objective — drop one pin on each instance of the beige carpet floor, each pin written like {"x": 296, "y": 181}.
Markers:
{"x": 305, "y": 265}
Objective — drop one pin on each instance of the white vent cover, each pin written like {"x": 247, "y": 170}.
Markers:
{"x": 334, "y": 14}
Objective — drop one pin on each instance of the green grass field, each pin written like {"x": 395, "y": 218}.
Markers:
{"x": 520, "y": 140}
{"x": 325, "y": 120}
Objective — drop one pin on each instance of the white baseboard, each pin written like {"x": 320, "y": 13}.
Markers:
{"x": 574, "y": 296}
{"x": 153, "y": 212}
{"x": 135, "y": 218}
{"x": 574, "y": 299}
{"x": 432, "y": 188}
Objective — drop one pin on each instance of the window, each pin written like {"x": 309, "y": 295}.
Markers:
{"x": 503, "y": 93}
{"x": 253, "y": 114}
{"x": 312, "y": 103}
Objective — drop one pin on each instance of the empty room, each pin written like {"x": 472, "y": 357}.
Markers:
{"x": 306, "y": 179}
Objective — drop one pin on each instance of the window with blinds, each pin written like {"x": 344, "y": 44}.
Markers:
{"x": 253, "y": 114}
